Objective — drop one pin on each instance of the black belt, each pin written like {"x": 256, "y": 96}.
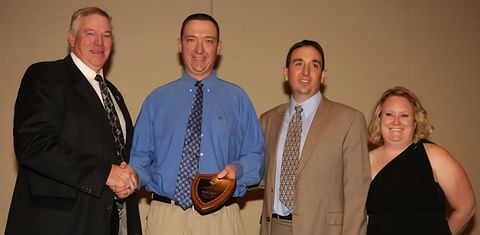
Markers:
{"x": 286, "y": 217}
{"x": 159, "y": 198}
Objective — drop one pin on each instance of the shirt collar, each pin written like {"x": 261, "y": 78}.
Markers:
{"x": 309, "y": 106}
{"x": 86, "y": 71}
{"x": 207, "y": 81}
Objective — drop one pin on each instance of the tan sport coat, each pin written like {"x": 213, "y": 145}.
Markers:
{"x": 333, "y": 174}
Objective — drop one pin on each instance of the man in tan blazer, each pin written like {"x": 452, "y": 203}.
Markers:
{"x": 330, "y": 181}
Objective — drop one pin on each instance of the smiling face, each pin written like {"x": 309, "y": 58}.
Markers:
{"x": 304, "y": 73}
{"x": 199, "y": 47}
{"x": 397, "y": 121}
{"x": 92, "y": 40}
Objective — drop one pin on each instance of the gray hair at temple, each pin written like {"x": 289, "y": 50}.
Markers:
{"x": 77, "y": 15}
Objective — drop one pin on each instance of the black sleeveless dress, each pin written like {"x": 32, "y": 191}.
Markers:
{"x": 404, "y": 199}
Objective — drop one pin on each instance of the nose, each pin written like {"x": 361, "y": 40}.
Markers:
{"x": 199, "y": 47}
{"x": 306, "y": 69}
{"x": 99, "y": 40}
{"x": 396, "y": 120}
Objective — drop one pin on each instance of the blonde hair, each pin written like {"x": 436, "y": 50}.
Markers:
{"x": 423, "y": 127}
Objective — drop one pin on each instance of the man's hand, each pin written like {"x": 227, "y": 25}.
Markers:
{"x": 122, "y": 180}
{"x": 229, "y": 171}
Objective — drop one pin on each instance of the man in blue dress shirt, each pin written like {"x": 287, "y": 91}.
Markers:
{"x": 231, "y": 141}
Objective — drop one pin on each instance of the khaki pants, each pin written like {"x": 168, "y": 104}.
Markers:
{"x": 165, "y": 218}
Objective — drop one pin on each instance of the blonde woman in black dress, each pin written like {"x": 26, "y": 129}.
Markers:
{"x": 414, "y": 181}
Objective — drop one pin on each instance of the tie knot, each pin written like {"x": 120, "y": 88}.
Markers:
{"x": 199, "y": 84}
{"x": 298, "y": 109}
{"x": 98, "y": 78}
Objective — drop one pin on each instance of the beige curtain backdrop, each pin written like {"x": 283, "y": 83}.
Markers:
{"x": 429, "y": 46}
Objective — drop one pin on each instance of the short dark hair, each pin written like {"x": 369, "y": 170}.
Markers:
{"x": 304, "y": 43}
{"x": 200, "y": 16}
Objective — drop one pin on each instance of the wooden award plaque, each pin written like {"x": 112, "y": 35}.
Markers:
{"x": 210, "y": 193}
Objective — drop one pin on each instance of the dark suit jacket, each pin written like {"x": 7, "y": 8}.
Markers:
{"x": 333, "y": 174}
{"x": 65, "y": 149}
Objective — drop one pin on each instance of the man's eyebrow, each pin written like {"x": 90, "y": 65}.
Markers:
{"x": 297, "y": 59}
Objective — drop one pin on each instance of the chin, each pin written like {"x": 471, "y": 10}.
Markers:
{"x": 398, "y": 141}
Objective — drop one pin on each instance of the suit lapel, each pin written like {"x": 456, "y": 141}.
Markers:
{"x": 82, "y": 85}
{"x": 277, "y": 121}
{"x": 275, "y": 126}
{"x": 315, "y": 132}
{"x": 87, "y": 92}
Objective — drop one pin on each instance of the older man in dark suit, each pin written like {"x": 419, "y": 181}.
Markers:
{"x": 72, "y": 134}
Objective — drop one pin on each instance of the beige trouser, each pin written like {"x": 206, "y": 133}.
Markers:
{"x": 281, "y": 227}
{"x": 165, "y": 218}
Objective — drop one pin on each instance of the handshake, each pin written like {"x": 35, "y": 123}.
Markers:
{"x": 122, "y": 180}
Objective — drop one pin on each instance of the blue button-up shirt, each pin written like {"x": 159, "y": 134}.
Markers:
{"x": 231, "y": 134}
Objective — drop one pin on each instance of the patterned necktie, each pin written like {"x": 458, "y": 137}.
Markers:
{"x": 291, "y": 152}
{"x": 112, "y": 118}
{"x": 191, "y": 151}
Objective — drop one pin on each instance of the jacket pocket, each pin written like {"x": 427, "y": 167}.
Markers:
{"x": 45, "y": 187}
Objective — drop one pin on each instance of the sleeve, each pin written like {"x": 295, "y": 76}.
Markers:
{"x": 143, "y": 145}
{"x": 56, "y": 168}
{"x": 356, "y": 177}
{"x": 250, "y": 166}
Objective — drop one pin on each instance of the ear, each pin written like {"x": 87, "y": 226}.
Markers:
{"x": 322, "y": 77}
{"x": 179, "y": 45}
{"x": 219, "y": 47}
{"x": 285, "y": 74}
{"x": 70, "y": 38}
